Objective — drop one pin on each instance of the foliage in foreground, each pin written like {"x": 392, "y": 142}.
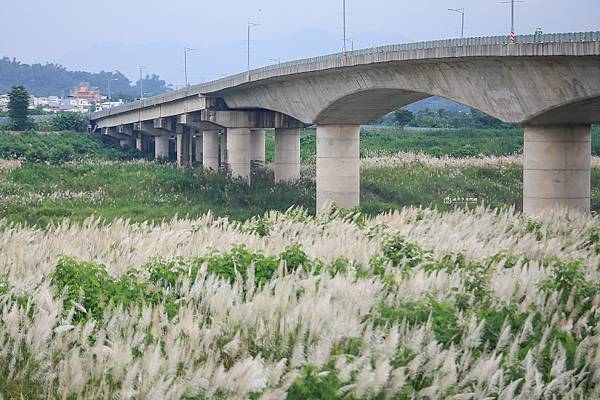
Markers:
{"x": 412, "y": 304}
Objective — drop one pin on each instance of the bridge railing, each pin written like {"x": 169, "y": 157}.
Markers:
{"x": 474, "y": 41}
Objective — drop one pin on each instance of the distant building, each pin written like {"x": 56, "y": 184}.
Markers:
{"x": 54, "y": 102}
{"x": 84, "y": 91}
{"x": 4, "y": 100}
{"x": 40, "y": 102}
{"x": 108, "y": 104}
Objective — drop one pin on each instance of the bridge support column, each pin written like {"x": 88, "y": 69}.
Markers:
{"x": 338, "y": 166}
{"x": 199, "y": 149}
{"x": 557, "y": 167}
{"x": 238, "y": 152}
{"x": 161, "y": 147}
{"x": 183, "y": 147}
{"x": 257, "y": 144}
{"x": 287, "y": 154}
{"x": 139, "y": 142}
{"x": 224, "y": 161}
{"x": 210, "y": 146}
{"x": 191, "y": 147}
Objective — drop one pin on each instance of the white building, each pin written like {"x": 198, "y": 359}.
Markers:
{"x": 4, "y": 103}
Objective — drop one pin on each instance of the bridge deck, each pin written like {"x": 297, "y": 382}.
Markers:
{"x": 554, "y": 44}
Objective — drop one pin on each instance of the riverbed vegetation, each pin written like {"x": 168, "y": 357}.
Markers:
{"x": 54, "y": 176}
{"x": 412, "y": 304}
{"x": 121, "y": 277}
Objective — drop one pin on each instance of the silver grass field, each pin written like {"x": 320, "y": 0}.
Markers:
{"x": 411, "y": 304}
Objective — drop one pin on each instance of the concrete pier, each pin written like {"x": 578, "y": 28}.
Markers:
{"x": 161, "y": 147}
{"x": 287, "y": 154}
{"x": 138, "y": 142}
{"x": 338, "y": 166}
{"x": 257, "y": 145}
{"x": 210, "y": 146}
{"x": 198, "y": 147}
{"x": 223, "y": 147}
{"x": 183, "y": 147}
{"x": 191, "y": 146}
{"x": 557, "y": 167}
{"x": 238, "y": 152}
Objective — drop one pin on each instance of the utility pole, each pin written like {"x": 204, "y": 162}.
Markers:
{"x": 141, "y": 67}
{"x": 250, "y": 26}
{"x": 185, "y": 51}
{"x": 461, "y": 11}
{"x": 344, "y": 37}
{"x": 109, "y": 96}
{"x": 512, "y": 17}
{"x": 344, "y": 25}
{"x": 351, "y": 44}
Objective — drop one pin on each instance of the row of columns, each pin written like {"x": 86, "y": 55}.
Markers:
{"x": 556, "y": 167}
{"x": 233, "y": 150}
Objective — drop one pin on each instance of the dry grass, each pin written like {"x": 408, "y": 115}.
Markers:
{"x": 231, "y": 339}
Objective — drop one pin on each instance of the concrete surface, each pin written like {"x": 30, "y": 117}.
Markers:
{"x": 210, "y": 145}
{"x": 257, "y": 145}
{"x": 161, "y": 147}
{"x": 238, "y": 152}
{"x": 287, "y": 155}
{"x": 338, "y": 166}
{"x": 557, "y": 167}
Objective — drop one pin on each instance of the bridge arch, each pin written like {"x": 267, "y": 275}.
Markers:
{"x": 365, "y": 106}
{"x": 580, "y": 111}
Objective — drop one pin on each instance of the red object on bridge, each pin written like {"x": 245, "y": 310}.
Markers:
{"x": 513, "y": 36}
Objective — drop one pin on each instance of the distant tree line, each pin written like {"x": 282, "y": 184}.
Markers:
{"x": 442, "y": 118}
{"x": 55, "y": 80}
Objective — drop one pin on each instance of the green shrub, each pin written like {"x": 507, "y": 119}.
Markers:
{"x": 68, "y": 121}
{"x": 314, "y": 384}
{"x": 58, "y": 147}
{"x": 443, "y": 317}
{"x": 398, "y": 252}
{"x": 88, "y": 285}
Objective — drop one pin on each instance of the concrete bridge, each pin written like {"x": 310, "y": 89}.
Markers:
{"x": 550, "y": 83}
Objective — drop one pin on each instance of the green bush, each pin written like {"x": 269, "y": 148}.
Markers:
{"x": 68, "y": 121}
{"x": 314, "y": 384}
{"x": 58, "y": 147}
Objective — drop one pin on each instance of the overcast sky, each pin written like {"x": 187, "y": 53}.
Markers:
{"x": 122, "y": 34}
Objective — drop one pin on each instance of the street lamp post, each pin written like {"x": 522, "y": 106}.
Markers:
{"x": 109, "y": 96}
{"x": 351, "y": 44}
{"x": 512, "y": 17}
{"x": 250, "y": 26}
{"x": 461, "y": 11}
{"x": 141, "y": 67}
{"x": 277, "y": 60}
{"x": 344, "y": 25}
{"x": 185, "y": 51}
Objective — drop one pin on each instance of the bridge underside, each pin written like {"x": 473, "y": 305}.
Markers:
{"x": 579, "y": 112}
{"x": 367, "y": 106}
{"x": 511, "y": 89}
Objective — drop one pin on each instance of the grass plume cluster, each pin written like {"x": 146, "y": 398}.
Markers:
{"x": 466, "y": 304}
